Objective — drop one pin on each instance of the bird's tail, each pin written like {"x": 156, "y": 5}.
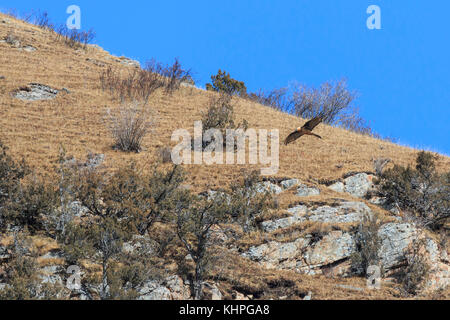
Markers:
{"x": 316, "y": 135}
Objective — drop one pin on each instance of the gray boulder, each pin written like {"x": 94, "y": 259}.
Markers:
{"x": 298, "y": 212}
{"x": 287, "y": 184}
{"x": 36, "y": 92}
{"x": 338, "y": 187}
{"x": 269, "y": 187}
{"x": 395, "y": 238}
{"x": 305, "y": 191}
{"x": 358, "y": 185}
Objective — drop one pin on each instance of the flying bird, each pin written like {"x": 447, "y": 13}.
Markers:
{"x": 305, "y": 130}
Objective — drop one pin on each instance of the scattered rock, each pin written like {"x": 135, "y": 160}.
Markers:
{"x": 130, "y": 62}
{"x": 28, "y": 48}
{"x": 298, "y": 216}
{"x": 287, "y": 184}
{"x": 338, "y": 187}
{"x": 347, "y": 212}
{"x": 359, "y": 184}
{"x": 35, "y": 92}
{"x": 2, "y": 77}
{"x": 152, "y": 291}
{"x": 270, "y": 187}
{"x": 333, "y": 247}
{"x": 395, "y": 238}
{"x": 305, "y": 191}
{"x": 172, "y": 288}
{"x": 96, "y": 62}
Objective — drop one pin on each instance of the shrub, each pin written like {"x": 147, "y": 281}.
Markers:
{"x": 413, "y": 275}
{"x": 277, "y": 99}
{"x": 11, "y": 174}
{"x": 247, "y": 205}
{"x": 195, "y": 219}
{"x": 120, "y": 207}
{"x": 74, "y": 38}
{"x": 421, "y": 191}
{"x": 368, "y": 245}
{"x": 220, "y": 115}
{"x": 129, "y": 127}
{"x": 223, "y": 83}
{"x": 329, "y": 101}
{"x": 379, "y": 165}
{"x": 175, "y": 75}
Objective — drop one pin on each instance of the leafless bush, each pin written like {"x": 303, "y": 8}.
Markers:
{"x": 74, "y": 38}
{"x": 417, "y": 269}
{"x": 379, "y": 164}
{"x": 42, "y": 20}
{"x": 138, "y": 85}
{"x": 129, "y": 127}
{"x": 330, "y": 100}
{"x": 277, "y": 99}
{"x": 175, "y": 76}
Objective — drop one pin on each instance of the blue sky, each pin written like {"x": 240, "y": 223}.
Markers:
{"x": 401, "y": 71}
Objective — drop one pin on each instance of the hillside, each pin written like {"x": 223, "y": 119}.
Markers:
{"x": 75, "y": 119}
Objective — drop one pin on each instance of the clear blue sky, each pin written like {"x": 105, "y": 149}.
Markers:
{"x": 401, "y": 71}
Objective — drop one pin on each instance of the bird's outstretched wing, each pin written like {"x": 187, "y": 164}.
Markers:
{"x": 293, "y": 136}
{"x": 311, "y": 124}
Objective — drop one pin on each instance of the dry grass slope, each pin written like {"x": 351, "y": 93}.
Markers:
{"x": 36, "y": 130}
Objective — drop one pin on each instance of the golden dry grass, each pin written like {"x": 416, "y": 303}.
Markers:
{"x": 36, "y": 130}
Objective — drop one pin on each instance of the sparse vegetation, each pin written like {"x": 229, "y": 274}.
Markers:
{"x": 220, "y": 115}
{"x": 247, "y": 204}
{"x": 368, "y": 245}
{"x": 194, "y": 222}
{"x": 277, "y": 99}
{"x": 129, "y": 127}
{"x": 223, "y": 83}
{"x": 421, "y": 192}
{"x": 416, "y": 271}
{"x": 140, "y": 84}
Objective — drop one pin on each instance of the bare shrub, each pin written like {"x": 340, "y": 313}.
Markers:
{"x": 379, "y": 165}
{"x": 129, "y": 127}
{"x": 329, "y": 101}
{"x": 368, "y": 245}
{"x": 74, "y": 38}
{"x": 138, "y": 85}
{"x": 175, "y": 76}
{"x": 277, "y": 99}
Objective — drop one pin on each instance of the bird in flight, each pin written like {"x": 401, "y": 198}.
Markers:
{"x": 305, "y": 130}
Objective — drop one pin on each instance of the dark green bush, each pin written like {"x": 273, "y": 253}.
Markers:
{"x": 222, "y": 82}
